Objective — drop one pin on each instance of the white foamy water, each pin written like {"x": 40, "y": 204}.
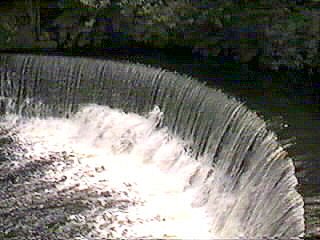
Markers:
{"x": 141, "y": 176}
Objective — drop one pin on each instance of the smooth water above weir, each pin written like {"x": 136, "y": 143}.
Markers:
{"x": 243, "y": 180}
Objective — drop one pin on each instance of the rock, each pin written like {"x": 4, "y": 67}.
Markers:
{"x": 45, "y": 36}
{"x": 67, "y": 20}
{"x": 83, "y": 40}
{"x": 25, "y": 38}
{"x": 46, "y": 44}
{"x": 247, "y": 54}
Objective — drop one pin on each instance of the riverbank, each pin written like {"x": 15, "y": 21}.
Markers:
{"x": 266, "y": 34}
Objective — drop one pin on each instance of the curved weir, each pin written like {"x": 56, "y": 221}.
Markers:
{"x": 238, "y": 182}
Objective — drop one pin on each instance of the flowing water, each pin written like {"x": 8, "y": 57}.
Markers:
{"x": 287, "y": 100}
{"x": 179, "y": 160}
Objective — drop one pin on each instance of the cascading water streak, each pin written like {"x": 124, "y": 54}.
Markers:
{"x": 206, "y": 151}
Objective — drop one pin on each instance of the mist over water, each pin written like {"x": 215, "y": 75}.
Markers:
{"x": 180, "y": 161}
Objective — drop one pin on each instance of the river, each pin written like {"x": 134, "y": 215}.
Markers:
{"x": 290, "y": 108}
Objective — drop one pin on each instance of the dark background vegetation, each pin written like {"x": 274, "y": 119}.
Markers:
{"x": 270, "y": 34}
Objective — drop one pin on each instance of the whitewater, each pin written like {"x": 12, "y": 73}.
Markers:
{"x": 132, "y": 178}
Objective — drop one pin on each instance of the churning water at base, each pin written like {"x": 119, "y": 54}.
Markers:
{"x": 202, "y": 167}
{"x": 141, "y": 175}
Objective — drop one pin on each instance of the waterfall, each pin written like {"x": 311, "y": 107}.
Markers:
{"x": 232, "y": 166}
